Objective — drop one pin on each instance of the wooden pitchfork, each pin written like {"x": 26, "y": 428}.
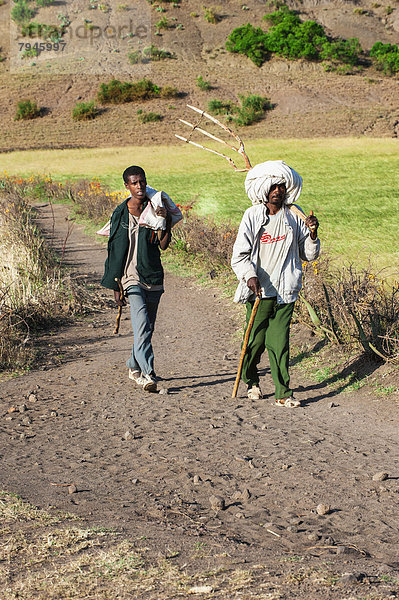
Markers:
{"x": 240, "y": 149}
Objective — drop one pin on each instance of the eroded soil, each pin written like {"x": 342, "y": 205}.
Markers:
{"x": 308, "y": 101}
{"x": 148, "y": 464}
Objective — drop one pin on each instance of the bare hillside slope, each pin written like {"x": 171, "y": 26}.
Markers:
{"x": 98, "y": 38}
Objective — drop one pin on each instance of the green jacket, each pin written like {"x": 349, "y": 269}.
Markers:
{"x": 149, "y": 266}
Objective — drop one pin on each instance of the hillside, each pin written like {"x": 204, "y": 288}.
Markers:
{"x": 308, "y": 102}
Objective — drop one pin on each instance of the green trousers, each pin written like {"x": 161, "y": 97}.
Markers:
{"x": 271, "y": 330}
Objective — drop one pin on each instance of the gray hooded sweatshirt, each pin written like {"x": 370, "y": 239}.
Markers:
{"x": 298, "y": 247}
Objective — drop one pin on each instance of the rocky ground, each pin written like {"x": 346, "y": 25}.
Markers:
{"x": 211, "y": 480}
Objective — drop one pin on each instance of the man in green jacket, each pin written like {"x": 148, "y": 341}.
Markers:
{"x": 134, "y": 259}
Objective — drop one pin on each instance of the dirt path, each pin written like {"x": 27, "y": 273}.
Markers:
{"x": 149, "y": 463}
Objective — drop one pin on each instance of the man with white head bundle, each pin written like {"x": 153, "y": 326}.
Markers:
{"x": 267, "y": 258}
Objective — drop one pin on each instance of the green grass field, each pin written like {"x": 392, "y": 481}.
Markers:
{"x": 351, "y": 184}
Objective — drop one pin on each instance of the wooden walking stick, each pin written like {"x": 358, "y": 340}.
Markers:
{"x": 118, "y": 316}
{"x": 244, "y": 345}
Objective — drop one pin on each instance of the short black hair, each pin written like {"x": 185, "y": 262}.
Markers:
{"x": 133, "y": 170}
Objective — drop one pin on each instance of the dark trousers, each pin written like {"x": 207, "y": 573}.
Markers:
{"x": 271, "y": 330}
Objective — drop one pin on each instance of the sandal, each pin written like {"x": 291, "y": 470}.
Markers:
{"x": 279, "y": 401}
{"x": 254, "y": 393}
{"x": 287, "y": 402}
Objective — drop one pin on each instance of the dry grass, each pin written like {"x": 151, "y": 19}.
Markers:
{"x": 35, "y": 291}
{"x": 14, "y": 509}
{"x": 45, "y": 558}
{"x": 50, "y": 555}
{"x": 356, "y": 308}
{"x": 210, "y": 242}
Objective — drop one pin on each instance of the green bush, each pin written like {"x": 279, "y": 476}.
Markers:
{"x": 46, "y": 32}
{"x": 144, "y": 89}
{"x": 291, "y": 38}
{"x": 114, "y": 92}
{"x": 135, "y": 57}
{"x": 26, "y": 109}
{"x": 162, "y": 24}
{"x": 43, "y": 3}
{"x": 64, "y": 20}
{"x": 148, "y": 117}
{"x": 211, "y": 16}
{"x": 343, "y": 51}
{"x": 283, "y": 15}
{"x": 153, "y": 53}
{"x": 119, "y": 92}
{"x": 203, "y": 84}
{"x": 250, "y": 41}
{"x": 386, "y": 57}
{"x": 167, "y": 91}
{"x": 21, "y": 12}
{"x": 31, "y": 53}
{"x": 85, "y": 111}
{"x": 252, "y": 108}
{"x": 218, "y": 107}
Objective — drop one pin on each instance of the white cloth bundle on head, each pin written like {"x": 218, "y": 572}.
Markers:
{"x": 261, "y": 178}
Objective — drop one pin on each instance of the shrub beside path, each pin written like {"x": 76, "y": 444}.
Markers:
{"x": 222, "y": 483}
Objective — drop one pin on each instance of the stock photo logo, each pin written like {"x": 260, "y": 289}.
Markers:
{"x": 92, "y": 38}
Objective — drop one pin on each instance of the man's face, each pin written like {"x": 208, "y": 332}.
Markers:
{"x": 277, "y": 194}
{"x": 136, "y": 184}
